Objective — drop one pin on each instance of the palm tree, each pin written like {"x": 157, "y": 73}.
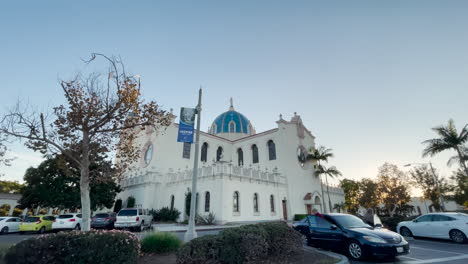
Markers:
{"x": 332, "y": 172}
{"x": 449, "y": 138}
{"x": 339, "y": 207}
{"x": 320, "y": 154}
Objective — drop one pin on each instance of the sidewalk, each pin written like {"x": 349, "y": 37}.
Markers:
{"x": 183, "y": 228}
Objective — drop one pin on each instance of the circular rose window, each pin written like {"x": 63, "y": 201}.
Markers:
{"x": 302, "y": 156}
{"x": 148, "y": 153}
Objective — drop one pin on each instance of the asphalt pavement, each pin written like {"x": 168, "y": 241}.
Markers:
{"x": 421, "y": 250}
{"x": 428, "y": 251}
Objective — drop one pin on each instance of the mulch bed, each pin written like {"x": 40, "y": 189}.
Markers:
{"x": 307, "y": 258}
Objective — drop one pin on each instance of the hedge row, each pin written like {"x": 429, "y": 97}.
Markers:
{"x": 392, "y": 222}
{"x": 247, "y": 243}
{"x": 77, "y": 247}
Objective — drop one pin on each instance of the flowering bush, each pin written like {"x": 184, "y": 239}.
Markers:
{"x": 77, "y": 247}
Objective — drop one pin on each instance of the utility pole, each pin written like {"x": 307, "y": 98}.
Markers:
{"x": 441, "y": 201}
{"x": 191, "y": 232}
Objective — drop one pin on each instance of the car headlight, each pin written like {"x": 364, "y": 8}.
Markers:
{"x": 374, "y": 239}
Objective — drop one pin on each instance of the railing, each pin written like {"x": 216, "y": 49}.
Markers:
{"x": 226, "y": 170}
{"x": 219, "y": 170}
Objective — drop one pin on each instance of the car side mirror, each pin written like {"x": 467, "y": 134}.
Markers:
{"x": 333, "y": 227}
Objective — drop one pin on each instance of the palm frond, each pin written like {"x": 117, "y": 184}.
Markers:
{"x": 453, "y": 160}
{"x": 435, "y": 146}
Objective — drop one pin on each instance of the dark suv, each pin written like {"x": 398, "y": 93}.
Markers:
{"x": 103, "y": 220}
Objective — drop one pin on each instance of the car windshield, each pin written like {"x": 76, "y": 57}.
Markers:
{"x": 101, "y": 215}
{"x": 65, "y": 216}
{"x": 1, "y": 219}
{"x": 128, "y": 212}
{"x": 349, "y": 221}
{"x": 31, "y": 219}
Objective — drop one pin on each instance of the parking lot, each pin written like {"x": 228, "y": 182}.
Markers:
{"x": 429, "y": 251}
{"x": 422, "y": 250}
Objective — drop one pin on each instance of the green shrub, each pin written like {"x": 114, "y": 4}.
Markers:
{"x": 299, "y": 217}
{"x": 165, "y": 214}
{"x": 131, "y": 202}
{"x": 204, "y": 249}
{"x": 117, "y": 205}
{"x": 208, "y": 219}
{"x": 160, "y": 243}
{"x": 249, "y": 243}
{"x": 282, "y": 238}
{"x": 392, "y": 222}
{"x": 77, "y": 247}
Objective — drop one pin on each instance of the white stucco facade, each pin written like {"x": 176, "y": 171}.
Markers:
{"x": 282, "y": 184}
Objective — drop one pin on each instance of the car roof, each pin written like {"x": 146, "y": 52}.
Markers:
{"x": 335, "y": 214}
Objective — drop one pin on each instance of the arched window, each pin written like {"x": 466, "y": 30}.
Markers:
{"x": 172, "y": 202}
{"x": 255, "y": 202}
{"x": 317, "y": 200}
{"x": 240, "y": 157}
{"x": 254, "y": 154}
{"x": 232, "y": 127}
{"x": 272, "y": 203}
{"x": 235, "y": 202}
{"x": 207, "y": 201}
{"x": 219, "y": 154}
{"x": 271, "y": 150}
{"x": 204, "y": 152}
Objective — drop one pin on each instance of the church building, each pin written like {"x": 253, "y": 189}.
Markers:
{"x": 243, "y": 176}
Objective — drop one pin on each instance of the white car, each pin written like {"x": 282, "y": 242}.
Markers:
{"x": 67, "y": 221}
{"x": 9, "y": 224}
{"x": 452, "y": 226}
{"x": 133, "y": 218}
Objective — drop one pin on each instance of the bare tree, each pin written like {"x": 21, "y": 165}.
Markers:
{"x": 100, "y": 108}
{"x": 4, "y": 159}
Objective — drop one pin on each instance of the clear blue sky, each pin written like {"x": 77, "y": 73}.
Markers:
{"x": 369, "y": 78}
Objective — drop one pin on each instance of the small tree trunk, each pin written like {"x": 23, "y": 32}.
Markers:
{"x": 84, "y": 186}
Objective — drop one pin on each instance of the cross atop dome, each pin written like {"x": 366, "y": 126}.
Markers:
{"x": 231, "y": 108}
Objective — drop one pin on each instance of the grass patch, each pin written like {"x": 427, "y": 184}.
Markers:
{"x": 161, "y": 242}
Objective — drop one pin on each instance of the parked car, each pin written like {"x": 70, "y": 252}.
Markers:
{"x": 103, "y": 220}
{"x": 39, "y": 223}
{"x": 67, "y": 222}
{"x": 9, "y": 224}
{"x": 133, "y": 218}
{"x": 452, "y": 226}
{"x": 344, "y": 232}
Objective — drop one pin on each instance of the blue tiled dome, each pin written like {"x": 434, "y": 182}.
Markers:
{"x": 231, "y": 120}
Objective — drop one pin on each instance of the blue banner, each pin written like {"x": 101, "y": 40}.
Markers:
{"x": 186, "y": 124}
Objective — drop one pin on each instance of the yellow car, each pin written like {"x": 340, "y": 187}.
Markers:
{"x": 39, "y": 223}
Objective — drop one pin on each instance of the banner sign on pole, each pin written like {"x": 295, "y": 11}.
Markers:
{"x": 186, "y": 124}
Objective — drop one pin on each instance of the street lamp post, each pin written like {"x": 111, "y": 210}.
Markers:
{"x": 191, "y": 232}
{"x": 441, "y": 201}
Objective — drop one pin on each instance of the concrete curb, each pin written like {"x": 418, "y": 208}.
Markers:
{"x": 343, "y": 259}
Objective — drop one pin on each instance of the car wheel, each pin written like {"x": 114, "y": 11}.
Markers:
{"x": 42, "y": 230}
{"x": 4, "y": 230}
{"x": 404, "y": 231}
{"x": 140, "y": 228}
{"x": 78, "y": 227}
{"x": 355, "y": 250}
{"x": 457, "y": 236}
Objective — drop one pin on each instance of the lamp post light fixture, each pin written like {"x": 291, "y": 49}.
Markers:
{"x": 434, "y": 176}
